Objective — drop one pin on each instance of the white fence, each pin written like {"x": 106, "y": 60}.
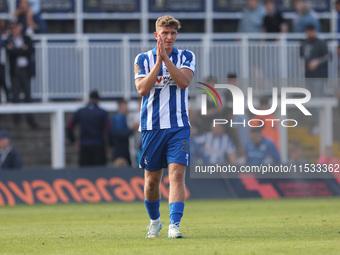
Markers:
{"x": 70, "y": 69}
{"x": 57, "y": 119}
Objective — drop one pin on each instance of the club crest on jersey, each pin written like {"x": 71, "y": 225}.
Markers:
{"x": 137, "y": 68}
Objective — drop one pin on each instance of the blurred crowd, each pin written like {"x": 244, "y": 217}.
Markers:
{"x": 267, "y": 18}
{"x": 241, "y": 143}
{"x": 17, "y": 56}
{"x": 102, "y": 139}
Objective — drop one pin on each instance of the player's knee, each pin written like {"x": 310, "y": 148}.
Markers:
{"x": 152, "y": 180}
{"x": 177, "y": 176}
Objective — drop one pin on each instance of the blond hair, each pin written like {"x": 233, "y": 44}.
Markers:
{"x": 168, "y": 21}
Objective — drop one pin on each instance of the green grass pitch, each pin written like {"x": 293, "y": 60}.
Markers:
{"x": 285, "y": 226}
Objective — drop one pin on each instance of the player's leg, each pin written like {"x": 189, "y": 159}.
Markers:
{"x": 176, "y": 192}
{"x": 177, "y": 182}
{"x": 152, "y": 191}
{"x": 153, "y": 160}
{"x": 152, "y": 199}
{"x": 178, "y": 159}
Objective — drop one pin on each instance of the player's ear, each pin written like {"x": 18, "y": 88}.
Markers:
{"x": 156, "y": 35}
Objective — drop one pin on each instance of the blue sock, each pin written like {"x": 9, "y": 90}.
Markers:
{"x": 153, "y": 209}
{"x": 176, "y": 212}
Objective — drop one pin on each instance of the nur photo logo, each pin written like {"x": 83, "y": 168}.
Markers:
{"x": 204, "y": 96}
{"x": 240, "y": 104}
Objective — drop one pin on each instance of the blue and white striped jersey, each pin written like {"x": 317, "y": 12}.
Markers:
{"x": 166, "y": 105}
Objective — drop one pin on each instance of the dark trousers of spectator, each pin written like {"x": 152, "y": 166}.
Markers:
{"x": 21, "y": 82}
{"x": 316, "y": 86}
{"x": 3, "y": 86}
{"x": 122, "y": 149}
{"x": 92, "y": 156}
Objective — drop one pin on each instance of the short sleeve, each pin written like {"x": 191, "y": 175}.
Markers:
{"x": 141, "y": 65}
{"x": 188, "y": 60}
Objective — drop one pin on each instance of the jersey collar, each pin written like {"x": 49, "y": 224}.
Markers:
{"x": 174, "y": 51}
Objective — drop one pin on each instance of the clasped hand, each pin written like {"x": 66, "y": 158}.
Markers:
{"x": 161, "y": 52}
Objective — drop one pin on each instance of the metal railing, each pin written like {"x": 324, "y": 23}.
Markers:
{"x": 68, "y": 67}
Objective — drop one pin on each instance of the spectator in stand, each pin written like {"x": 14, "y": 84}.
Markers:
{"x": 31, "y": 21}
{"x": 215, "y": 146}
{"x": 3, "y": 38}
{"x": 232, "y": 80}
{"x": 305, "y": 17}
{"x": 20, "y": 52}
{"x": 261, "y": 150}
{"x": 273, "y": 22}
{"x": 93, "y": 122}
{"x": 328, "y": 157}
{"x": 241, "y": 132}
{"x": 269, "y": 130}
{"x": 252, "y": 20}
{"x": 9, "y": 157}
{"x": 120, "y": 133}
{"x": 316, "y": 55}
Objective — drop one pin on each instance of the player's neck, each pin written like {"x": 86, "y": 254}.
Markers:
{"x": 168, "y": 51}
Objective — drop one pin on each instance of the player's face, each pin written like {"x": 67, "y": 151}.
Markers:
{"x": 168, "y": 36}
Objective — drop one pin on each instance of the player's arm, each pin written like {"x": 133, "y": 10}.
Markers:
{"x": 145, "y": 84}
{"x": 182, "y": 77}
